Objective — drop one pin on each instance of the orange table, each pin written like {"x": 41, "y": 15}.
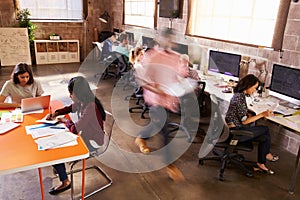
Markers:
{"x": 19, "y": 152}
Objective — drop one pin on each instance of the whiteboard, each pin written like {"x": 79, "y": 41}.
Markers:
{"x": 14, "y": 46}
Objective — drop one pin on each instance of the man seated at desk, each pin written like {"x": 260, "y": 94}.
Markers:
{"x": 123, "y": 47}
{"x": 107, "y": 48}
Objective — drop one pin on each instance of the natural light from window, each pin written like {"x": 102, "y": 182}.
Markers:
{"x": 139, "y": 12}
{"x": 53, "y": 9}
{"x": 244, "y": 21}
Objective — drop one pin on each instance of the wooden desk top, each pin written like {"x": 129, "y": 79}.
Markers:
{"x": 19, "y": 152}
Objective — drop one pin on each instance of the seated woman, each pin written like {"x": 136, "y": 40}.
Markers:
{"x": 91, "y": 115}
{"x": 21, "y": 85}
{"x": 237, "y": 118}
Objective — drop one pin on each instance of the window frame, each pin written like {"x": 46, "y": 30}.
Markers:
{"x": 68, "y": 18}
{"x": 278, "y": 33}
{"x": 139, "y": 25}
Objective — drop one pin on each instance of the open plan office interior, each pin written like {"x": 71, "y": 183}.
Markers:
{"x": 219, "y": 62}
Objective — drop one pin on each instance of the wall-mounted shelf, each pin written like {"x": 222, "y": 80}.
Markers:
{"x": 56, "y": 51}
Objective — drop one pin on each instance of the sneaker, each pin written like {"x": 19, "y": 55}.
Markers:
{"x": 174, "y": 173}
{"x": 142, "y": 145}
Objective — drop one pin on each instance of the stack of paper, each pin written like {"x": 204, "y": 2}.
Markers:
{"x": 294, "y": 118}
{"x": 54, "y": 121}
{"x": 7, "y": 126}
{"x": 49, "y": 136}
{"x": 56, "y": 140}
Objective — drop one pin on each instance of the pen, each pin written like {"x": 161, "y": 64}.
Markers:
{"x": 57, "y": 127}
{"x": 41, "y": 126}
{"x": 287, "y": 115}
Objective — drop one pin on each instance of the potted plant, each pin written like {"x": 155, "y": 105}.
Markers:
{"x": 24, "y": 21}
{"x": 196, "y": 64}
{"x": 54, "y": 36}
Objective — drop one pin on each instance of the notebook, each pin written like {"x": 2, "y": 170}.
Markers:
{"x": 35, "y": 103}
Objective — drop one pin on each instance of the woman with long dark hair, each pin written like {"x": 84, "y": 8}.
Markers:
{"x": 21, "y": 85}
{"x": 238, "y": 118}
{"x": 91, "y": 115}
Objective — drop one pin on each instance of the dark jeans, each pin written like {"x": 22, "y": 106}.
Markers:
{"x": 261, "y": 134}
{"x": 158, "y": 124}
{"x": 61, "y": 170}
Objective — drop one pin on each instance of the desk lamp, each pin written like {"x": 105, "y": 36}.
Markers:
{"x": 104, "y": 17}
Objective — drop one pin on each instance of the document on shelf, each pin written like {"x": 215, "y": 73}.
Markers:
{"x": 7, "y": 126}
{"x": 59, "y": 139}
{"x": 42, "y": 130}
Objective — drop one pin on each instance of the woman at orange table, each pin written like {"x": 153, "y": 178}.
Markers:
{"x": 21, "y": 85}
{"x": 91, "y": 115}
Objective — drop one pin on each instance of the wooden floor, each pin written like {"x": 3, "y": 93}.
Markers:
{"x": 122, "y": 162}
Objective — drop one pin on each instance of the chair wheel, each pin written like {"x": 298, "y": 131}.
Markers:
{"x": 241, "y": 158}
{"x": 201, "y": 162}
{"x": 249, "y": 174}
{"x": 221, "y": 177}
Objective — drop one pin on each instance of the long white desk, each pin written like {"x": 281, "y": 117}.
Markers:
{"x": 212, "y": 87}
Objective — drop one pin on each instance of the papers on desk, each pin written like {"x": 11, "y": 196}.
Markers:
{"x": 284, "y": 110}
{"x": 42, "y": 130}
{"x": 7, "y": 126}
{"x": 54, "y": 121}
{"x": 11, "y": 117}
{"x": 49, "y": 136}
{"x": 62, "y": 138}
{"x": 294, "y": 118}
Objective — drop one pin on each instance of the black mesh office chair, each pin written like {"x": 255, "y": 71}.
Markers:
{"x": 140, "y": 103}
{"x": 226, "y": 151}
{"x": 107, "y": 60}
{"x": 95, "y": 150}
{"x": 123, "y": 64}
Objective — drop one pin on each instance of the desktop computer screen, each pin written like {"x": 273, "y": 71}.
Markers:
{"x": 130, "y": 37}
{"x": 285, "y": 83}
{"x": 224, "y": 63}
{"x": 146, "y": 41}
{"x": 181, "y": 48}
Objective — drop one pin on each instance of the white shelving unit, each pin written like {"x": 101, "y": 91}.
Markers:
{"x": 56, "y": 51}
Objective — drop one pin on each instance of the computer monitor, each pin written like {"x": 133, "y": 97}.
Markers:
{"x": 181, "y": 48}
{"x": 285, "y": 83}
{"x": 146, "y": 41}
{"x": 130, "y": 37}
{"x": 225, "y": 64}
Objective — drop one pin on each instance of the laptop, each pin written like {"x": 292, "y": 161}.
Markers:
{"x": 35, "y": 103}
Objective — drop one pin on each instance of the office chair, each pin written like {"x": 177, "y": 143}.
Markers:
{"x": 123, "y": 64}
{"x": 174, "y": 126}
{"x": 106, "y": 60}
{"x": 95, "y": 150}
{"x": 226, "y": 151}
{"x": 140, "y": 103}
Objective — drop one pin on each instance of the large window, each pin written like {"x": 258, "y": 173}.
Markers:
{"x": 53, "y": 9}
{"x": 140, "y": 13}
{"x": 245, "y": 21}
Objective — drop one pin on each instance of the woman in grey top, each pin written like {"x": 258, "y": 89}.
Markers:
{"x": 22, "y": 85}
